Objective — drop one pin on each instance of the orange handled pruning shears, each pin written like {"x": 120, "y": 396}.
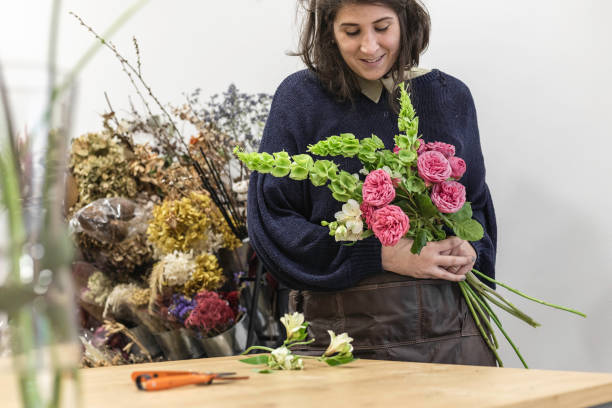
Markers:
{"x": 163, "y": 380}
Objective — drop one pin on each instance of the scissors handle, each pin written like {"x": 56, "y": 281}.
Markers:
{"x": 157, "y": 374}
{"x": 147, "y": 383}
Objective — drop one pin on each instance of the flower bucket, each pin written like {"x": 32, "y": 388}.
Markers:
{"x": 172, "y": 345}
{"x": 146, "y": 339}
{"x": 191, "y": 343}
{"x": 230, "y": 342}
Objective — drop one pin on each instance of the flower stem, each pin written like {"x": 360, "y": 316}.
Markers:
{"x": 477, "y": 320}
{"x": 268, "y": 349}
{"x": 499, "y": 326}
{"x": 483, "y": 312}
{"x": 508, "y": 307}
{"x": 567, "y": 309}
{"x": 299, "y": 343}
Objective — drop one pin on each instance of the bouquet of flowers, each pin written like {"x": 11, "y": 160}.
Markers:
{"x": 412, "y": 191}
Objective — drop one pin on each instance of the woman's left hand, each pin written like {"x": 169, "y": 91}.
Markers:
{"x": 465, "y": 249}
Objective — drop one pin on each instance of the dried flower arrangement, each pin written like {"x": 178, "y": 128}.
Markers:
{"x": 152, "y": 217}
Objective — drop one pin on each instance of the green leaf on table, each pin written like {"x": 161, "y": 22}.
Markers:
{"x": 420, "y": 240}
{"x": 263, "y": 371}
{"x": 258, "y": 359}
{"x": 465, "y": 213}
{"x": 470, "y": 230}
{"x": 426, "y": 206}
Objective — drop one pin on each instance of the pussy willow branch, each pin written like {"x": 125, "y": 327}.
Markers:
{"x": 129, "y": 67}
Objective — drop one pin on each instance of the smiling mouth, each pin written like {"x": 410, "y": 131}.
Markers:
{"x": 372, "y": 60}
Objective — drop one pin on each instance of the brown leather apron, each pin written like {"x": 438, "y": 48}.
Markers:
{"x": 395, "y": 317}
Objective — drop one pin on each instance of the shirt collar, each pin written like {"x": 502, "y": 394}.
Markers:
{"x": 372, "y": 89}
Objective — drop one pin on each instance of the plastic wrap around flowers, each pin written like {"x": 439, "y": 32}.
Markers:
{"x": 412, "y": 191}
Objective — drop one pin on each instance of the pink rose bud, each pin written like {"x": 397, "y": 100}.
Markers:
{"x": 448, "y": 196}
{"x": 433, "y": 167}
{"x": 367, "y": 213}
{"x": 448, "y": 150}
{"x": 390, "y": 224}
{"x": 457, "y": 166}
{"x": 378, "y": 188}
{"x": 396, "y": 149}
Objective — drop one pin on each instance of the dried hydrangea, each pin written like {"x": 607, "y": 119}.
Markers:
{"x": 99, "y": 164}
{"x": 191, "y": 223}
{"x": 211, "y": 314}
{"x": 172, "y": 270}
{"x": 123, "y": 261}
{"x": 207, "y": 275}
{"x": 99, "y": 287}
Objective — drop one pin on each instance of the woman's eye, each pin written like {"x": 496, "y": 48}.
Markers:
{"x": 381, "y": 29}
{"x": 352, "y": 33}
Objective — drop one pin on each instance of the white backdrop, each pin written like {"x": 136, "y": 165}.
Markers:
{"x": 540, "y": 76}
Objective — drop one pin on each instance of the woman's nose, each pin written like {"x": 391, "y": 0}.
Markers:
{"x": 369, "y": 43}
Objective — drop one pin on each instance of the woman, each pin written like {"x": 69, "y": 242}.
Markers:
{"x": 396, "y": 305}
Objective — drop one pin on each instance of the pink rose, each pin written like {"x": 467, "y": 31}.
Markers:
{"x": 422, "y": 145}
{"x": 457, "y": 166}
{"x": 396, "y": 149}
{"x": 433, "y": 167}
{"x": 378, "y": 188}
{"x": 448, "y": 150}
{"x": 367, "y": 213}
{"x": 390, "y": 224}
{"x": 448, "y": 196}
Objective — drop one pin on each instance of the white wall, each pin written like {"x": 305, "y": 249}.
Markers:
{"x": 539, "y": 72}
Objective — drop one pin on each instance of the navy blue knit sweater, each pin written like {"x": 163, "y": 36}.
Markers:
{"x": 284, "y": 215}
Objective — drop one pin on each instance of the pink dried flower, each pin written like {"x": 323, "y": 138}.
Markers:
{"x": 211, "y": 313}
{"x": 448, "y": 196}
{"x": 457, "y": 166}
{"x": 433, "y": 167}
{"x": 378, "y": 188}
{"x": 390, "y": 224}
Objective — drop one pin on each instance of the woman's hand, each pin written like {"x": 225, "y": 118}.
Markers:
{"x": 433, "y": 260}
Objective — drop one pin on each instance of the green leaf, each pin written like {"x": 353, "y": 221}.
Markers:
{"x": 407, "y": 156}
{"x": 264, "y": 371}
{"x": 258, "y": 359}
{"x": 420, "y": 240}
{"x": 426, "y": 206}
{"x": 338, "y": 359}
{"x": 414, "y": 184}
{"x": 470, "y": 230}
{"x": 465, "y": 213}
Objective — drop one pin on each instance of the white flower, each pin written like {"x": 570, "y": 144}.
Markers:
{"x": 282, "y": 359}
{"x": 293, "y": 323}
{"x": 350, "y": 225}
{"x": 338, "y": 344}
{"x": 178, "y": 267}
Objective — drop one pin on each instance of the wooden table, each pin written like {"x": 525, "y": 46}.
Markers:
{"x": 364, "y": 383}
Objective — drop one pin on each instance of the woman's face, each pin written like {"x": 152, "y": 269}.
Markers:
{"x": 368, "y": 37}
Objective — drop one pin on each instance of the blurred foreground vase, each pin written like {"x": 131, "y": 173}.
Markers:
{"x": 38, "y": 291}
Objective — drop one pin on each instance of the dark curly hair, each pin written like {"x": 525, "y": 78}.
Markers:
{"x": 318, "y": 49}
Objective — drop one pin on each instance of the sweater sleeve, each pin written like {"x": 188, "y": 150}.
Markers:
{"x": 479, "y": 195}
{"x": 296, "y": 249}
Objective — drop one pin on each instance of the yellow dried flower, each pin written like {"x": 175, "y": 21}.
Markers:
{"x": 139, "y": 296}
{"x": 190, "y": 223}
{"x": 207, "y": 275}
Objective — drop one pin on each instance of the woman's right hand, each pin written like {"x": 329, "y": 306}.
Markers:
{"x": 431, "y": 263}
